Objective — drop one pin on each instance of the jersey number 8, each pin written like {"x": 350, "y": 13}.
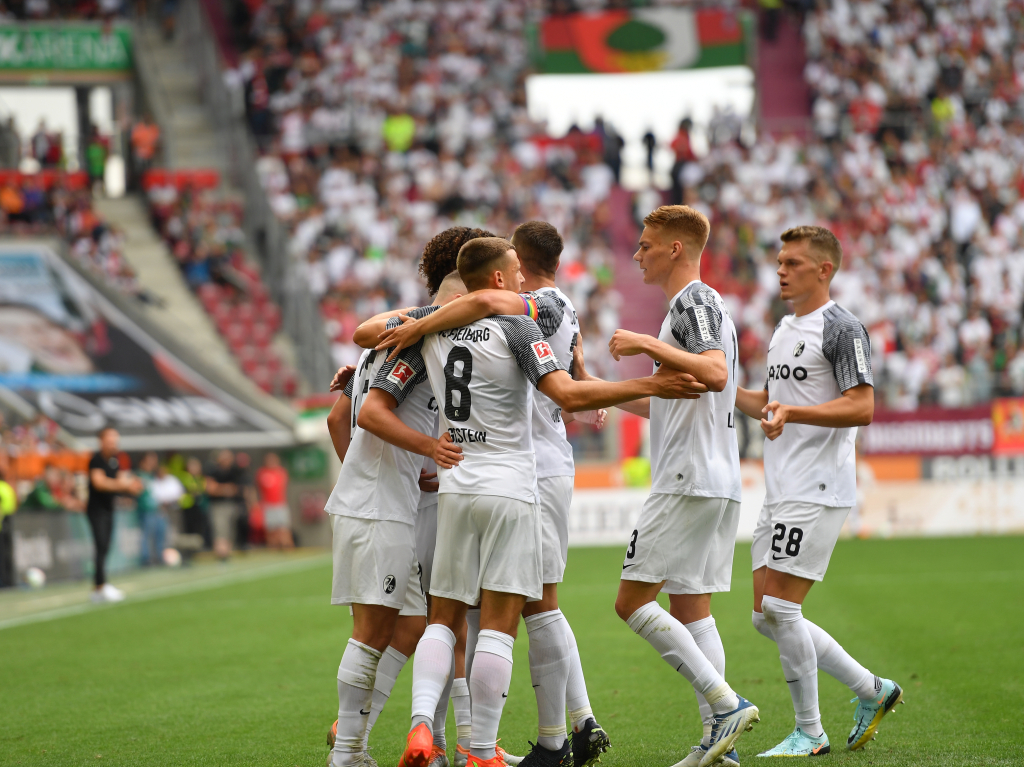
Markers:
{"x": 458, "y": 384}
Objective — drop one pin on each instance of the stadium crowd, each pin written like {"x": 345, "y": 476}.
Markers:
{"x": 380, "y": 127}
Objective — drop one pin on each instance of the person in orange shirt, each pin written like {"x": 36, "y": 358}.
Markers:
{"x": 145, "y": 139}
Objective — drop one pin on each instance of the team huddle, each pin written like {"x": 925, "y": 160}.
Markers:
{"x": 453, "y": 498}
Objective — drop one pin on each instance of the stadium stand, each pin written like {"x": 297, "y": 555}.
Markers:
{"x": 380, "y": 128}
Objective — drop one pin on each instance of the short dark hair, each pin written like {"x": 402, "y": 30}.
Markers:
{"x": 440, "y": 255}
{"x": 539, "y": 245}
{"x": 479, "y": 257}
{"x": 822, "y": 241}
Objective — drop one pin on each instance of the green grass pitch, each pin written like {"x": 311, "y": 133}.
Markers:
{"x": 244, "y": 674}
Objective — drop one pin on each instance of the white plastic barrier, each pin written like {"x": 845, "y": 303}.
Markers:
{"x": 941, "y": 507}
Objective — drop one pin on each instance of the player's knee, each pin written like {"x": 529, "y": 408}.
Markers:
{"x": 761, "y": 625}
{"x": 624, "y": 607}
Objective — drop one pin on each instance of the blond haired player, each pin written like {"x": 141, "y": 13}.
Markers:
{"x": 818, "y": 390}
{"x": 685, "y": 537}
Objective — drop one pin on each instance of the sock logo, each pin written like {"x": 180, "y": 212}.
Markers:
{"x": 504, "y": 695}
{"x": 389, "y": 584}
{"x": 364, "y": 713}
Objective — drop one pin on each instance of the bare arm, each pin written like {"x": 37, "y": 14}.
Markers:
{"x": 640, "y": 407}
{"x": 339, "y": 424}
{"x": 707, "y": 367}
{"x": 377, "y": 416}
{"x": 855, "y": 408}
{"x": 573, "y": 395}
{"x": 120, "y": 484}
{"x": 368, "y": 332}
{"x": 462, "y": 311}
{"x": 752, "y": 402}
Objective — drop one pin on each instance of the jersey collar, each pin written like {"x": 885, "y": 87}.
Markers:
{"x": 820, "y": 310}
{"x": 684, "y": 289}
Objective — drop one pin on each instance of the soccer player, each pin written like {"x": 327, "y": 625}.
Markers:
{"x": 819, "y": 389}
{"x": 488, "y": 537}
{"x": 555, "y": 662}
{"x": 685, "y": 537}
{"x": 440, "y": 256}
{"x": 373, "y": 508}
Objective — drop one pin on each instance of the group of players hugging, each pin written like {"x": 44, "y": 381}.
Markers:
{"x": 450, "y": 514}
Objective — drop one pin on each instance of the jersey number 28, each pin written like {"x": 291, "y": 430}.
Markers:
{"x": 458, "y": 384}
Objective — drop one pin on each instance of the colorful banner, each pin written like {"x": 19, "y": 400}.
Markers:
{"x": 930, "y": 431}
{"x": 639, "y": 40}
{"x": 1008, "y": 426}
{"x": 69, "y": 353}
{"x": 65, "y": 47}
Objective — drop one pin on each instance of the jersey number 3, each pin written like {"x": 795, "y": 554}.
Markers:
{"x": 457, "y": 399}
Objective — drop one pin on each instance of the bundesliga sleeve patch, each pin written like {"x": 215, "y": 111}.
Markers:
{"x": 401, "y": 374}
{"x": 542, "y": 349}
{"x": 862, "y": 361}
{"x": 700, "y": 314}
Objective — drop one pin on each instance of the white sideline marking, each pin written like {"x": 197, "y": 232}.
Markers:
{"x": 176, "y": 589}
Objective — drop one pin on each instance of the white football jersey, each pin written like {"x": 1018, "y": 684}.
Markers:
{"x": 378, "y": 480}
{"x": 693, "y": 441}
{"x": 483, "y": 376}
{"x": 554, "y": 453}
{"x": 812, "y": 360}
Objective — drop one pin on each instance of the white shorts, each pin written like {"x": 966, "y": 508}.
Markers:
{"x": 426, "y": 541}
{"x": 555, "y": 499}
{"x": 686, "y": 541}
{"x": 375, "y": 564}
{"x": 486, "y": 542}
{"x": 797, "y": 537}
{"x": 276, "y": 517}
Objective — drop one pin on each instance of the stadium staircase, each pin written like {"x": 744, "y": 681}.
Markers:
{"x": 179, "y": 314}
{"x": 783, "y": 99}
{"x": 190, "y": 141}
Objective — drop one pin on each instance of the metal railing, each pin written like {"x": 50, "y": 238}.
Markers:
{"x": 265, "y": 233}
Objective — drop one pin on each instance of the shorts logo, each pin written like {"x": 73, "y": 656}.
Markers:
{"x": 389, "y": 584}
{"x": 401, "y": 374}
{"x": 543, "y": 351}
{"x": 862, "y": 360}
{"x": 798, "y": 349}
{"x": 701, "y": 315}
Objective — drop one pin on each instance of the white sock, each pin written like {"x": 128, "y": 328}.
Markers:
{"x": 472, "y": 632}
{"x": 356, "y": 676}
{"x": 463, "y": 712}
{"x": 799, "y": 661}
{"x": 576, "y": 698}
{"x": 390, "y": 666}
{"x": 441, "y": 713}
{"x": 549, "y": 672}
{"x": 431, "y": 668}
{"x": 492, "y": 672}
{"x": 680, "y": 651}
{"x": 705, "y": 634}
{"x": 832, "y": 659}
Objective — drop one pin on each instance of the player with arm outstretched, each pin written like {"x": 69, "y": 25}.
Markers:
{"x": 440, "y": 257}
{"x": 373, "y": 510}
{"x": 559, "y": 683}
{"x": 488, "y": 546}
{"x": 819, "y": 389}
{"x": 685, "y": 537}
